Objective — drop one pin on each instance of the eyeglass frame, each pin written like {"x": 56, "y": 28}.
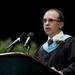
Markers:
{"x": 52, "y": 20}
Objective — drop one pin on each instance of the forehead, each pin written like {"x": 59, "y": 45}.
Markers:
{"x": 51, "y": 14}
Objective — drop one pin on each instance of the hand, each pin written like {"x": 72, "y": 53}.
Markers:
{"x": 53, "y": 68}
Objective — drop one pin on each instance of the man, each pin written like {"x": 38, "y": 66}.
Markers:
{"x": 58, "y": 52}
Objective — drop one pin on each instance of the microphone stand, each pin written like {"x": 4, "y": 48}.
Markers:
{"x": 28, "y": 48}
{"x": 10, "y": 47}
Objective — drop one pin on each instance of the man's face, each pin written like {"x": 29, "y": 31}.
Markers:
{"x": 51, "y": 23}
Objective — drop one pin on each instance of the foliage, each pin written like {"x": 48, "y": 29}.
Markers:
{"x": 19, "y": 47}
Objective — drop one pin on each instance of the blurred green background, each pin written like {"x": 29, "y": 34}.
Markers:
{"x": 19, "y": 47}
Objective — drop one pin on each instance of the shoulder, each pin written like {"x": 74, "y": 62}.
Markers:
{"x": 72, "y": 38}
{"x": 70, "y": 41}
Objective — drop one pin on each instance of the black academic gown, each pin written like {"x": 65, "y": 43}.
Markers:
{"x": 62, "y": 58}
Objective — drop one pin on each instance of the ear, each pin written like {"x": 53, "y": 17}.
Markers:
{"x": 61, "y": 25}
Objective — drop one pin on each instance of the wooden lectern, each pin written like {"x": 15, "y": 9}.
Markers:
{"x": 17, "y": 63}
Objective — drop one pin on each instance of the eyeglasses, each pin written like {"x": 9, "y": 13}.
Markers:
{"x": 51, "y": 20}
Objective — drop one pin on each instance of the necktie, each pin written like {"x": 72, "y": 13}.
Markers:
{"x": 50, "y": 41}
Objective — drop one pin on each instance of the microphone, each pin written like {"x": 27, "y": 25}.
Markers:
{"x": 17, "y": 40}
{"x": 28, "y": 40}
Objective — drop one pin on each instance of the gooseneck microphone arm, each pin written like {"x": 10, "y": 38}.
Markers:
{"x": 11, "y": 46}
{"x": 27, "y": 43}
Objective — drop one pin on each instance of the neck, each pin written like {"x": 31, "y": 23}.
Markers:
{"x": 54, "y": 34}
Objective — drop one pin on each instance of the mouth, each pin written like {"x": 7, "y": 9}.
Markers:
{"x": 47, "y": 28}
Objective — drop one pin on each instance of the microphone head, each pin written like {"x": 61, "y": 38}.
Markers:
{"x": 28, "y": 40}
{"x": 22, "y": 35}
{"x": 31, "y": 34}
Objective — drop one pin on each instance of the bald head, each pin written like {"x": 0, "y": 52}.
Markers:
{"x": 55, "y": 14}
{"x": 53, "y": 22}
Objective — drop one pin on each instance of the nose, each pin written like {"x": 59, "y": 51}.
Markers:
{"x": 47, "y": 23}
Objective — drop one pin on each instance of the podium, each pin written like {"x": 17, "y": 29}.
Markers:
{"x": 17, "y": 63}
